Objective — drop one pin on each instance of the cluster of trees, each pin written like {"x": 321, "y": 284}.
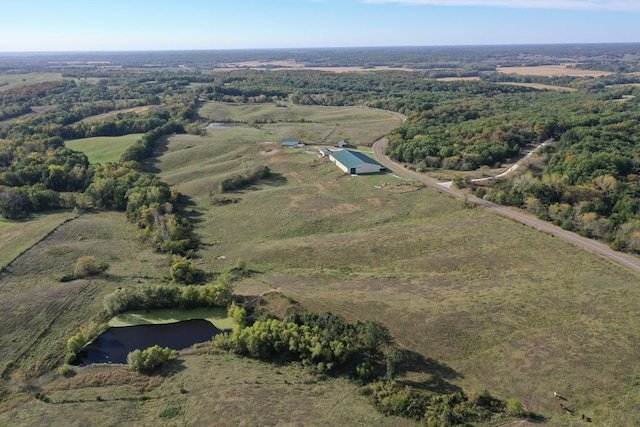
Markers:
{"x": 472, "y": 131}
{"x": 152, "y": 297}
{"x": 251, "y": 175}
{"x": 148, "y": 360}
{"x": 147, "y": 201}
{"x": 588, "y": 181}
{"x": 435, "y": 409}
{"x": 322, "y": 342}
{"x": 14, "y": 110}
{"x": 76, "y": 343}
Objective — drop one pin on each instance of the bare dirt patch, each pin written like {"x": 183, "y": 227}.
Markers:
{"x": 398, "y": 188}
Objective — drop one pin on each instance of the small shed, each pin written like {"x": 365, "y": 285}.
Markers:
{"x": 342, "y": 143}
{"x": 355, "y": 162}
{"x": 290, "y": 142}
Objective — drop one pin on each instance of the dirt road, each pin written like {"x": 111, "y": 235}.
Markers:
{"x": 520, "y": 216}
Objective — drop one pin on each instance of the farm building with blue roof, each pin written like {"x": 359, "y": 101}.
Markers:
{"x": 354, "y": 162}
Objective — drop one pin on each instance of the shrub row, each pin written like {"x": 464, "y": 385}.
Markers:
{"x": 150, "y": 297}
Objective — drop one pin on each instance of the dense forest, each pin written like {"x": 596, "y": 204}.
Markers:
{"x": 587, "y": 181}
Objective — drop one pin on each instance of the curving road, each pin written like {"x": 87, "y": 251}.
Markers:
{"x": 520, "y": 216}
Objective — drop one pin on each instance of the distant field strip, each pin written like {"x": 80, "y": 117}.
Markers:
{"x": 97, "y": 117}
{"x": 541, "y": 86}
{"x": 552, "y": 70}
{"x": 15, "y": 80}
{"x": 102, "y": 149}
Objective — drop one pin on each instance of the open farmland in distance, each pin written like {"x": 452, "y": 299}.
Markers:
{"x": 552, "y": 70}
{"x": 16, "y": 80}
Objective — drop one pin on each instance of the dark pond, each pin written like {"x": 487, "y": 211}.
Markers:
{"x": 114, "y": 344}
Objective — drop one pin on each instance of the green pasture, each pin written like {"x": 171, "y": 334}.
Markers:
{"x": 103, "y": 149}
{"x": 15, "y": 80}
{"x": 217, "y": 316}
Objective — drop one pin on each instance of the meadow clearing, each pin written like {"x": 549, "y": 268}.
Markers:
{"x": 110, "y": 114}
{"x": 103, "y": 149}
{"x": 490, "y": 303}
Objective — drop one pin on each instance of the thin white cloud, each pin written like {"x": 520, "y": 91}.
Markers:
{"x": 603, "y": 5}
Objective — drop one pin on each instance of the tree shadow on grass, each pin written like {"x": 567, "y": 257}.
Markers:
{"x": 438, "y": 373}
{"x": 172, "y": 368}
{"x": 150, "y": 164}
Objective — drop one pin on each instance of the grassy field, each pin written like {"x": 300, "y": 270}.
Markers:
{"x": 40, "y": 313}
{"x": 110, "y": 114}
{"x": 486, "y": 296}
{"x": 15, "y": 80}
{"x": 201, "y": 390}
{"x": 319, "y": 125}
{"x": 493, "y": 304}
{"x": 18, "y": 236}
{"x": 102, "y": 149}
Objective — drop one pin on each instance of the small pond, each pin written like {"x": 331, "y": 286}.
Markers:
{"x": 114, "y": 344}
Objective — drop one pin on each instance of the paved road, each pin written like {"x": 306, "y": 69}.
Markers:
{"x": 628, "y": 261}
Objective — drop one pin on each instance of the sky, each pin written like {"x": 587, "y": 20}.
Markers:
{"x": 133, "y": 25}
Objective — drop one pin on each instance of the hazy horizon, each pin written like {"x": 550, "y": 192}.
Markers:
{"x": 127, "y": 26}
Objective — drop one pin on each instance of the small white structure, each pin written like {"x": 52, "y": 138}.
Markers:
{"x": 343, "y": 143}
{"x": 291, "y": 142}
{"x": 354, "y": 162}
{"x": 322, "y": 152}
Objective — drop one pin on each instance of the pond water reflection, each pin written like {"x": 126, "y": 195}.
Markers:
{"x": 114, "y": 344}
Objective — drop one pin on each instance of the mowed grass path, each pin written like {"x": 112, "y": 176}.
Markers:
{"x": 508, "y": 308}
{"x": 103, "y": 149}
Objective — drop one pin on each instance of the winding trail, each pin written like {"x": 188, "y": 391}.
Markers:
{"x": 626, "y": 260}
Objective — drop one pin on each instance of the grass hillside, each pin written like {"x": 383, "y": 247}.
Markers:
{"x": 103, "y": 149}
{"x": 490, "y": 303}
{"x": 39, "y": 312}
{"x": 506, "y": 307}
{"x": 18, "y": 236}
